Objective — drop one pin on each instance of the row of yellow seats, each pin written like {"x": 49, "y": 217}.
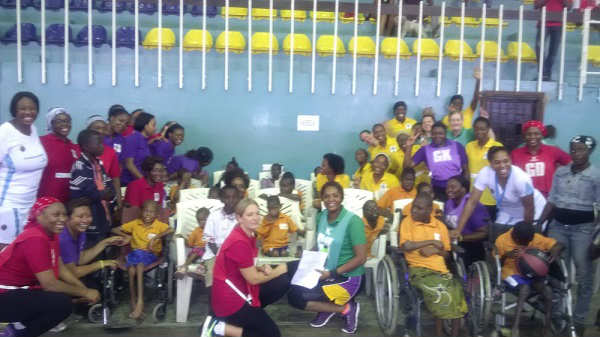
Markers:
{"x": 470, "y": 21}
{"x": 286, "y": 14}
{"x": 196, "y": 39}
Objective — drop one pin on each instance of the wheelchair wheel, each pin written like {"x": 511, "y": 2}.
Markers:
{"x": 478, "y": 290}
{"x": 160, "y": 312}
{"x": 387, "y": 296}
{"x": 96, "y": 313}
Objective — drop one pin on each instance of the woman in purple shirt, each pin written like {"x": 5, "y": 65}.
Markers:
{"x": 117, "y": 120}
{"x": 136, "y": 148}
{"x": 164, "y": 147}
{"x": 445, "y": 158}
{"x": 193, "y": 161}
{"x": 475, "y": 231}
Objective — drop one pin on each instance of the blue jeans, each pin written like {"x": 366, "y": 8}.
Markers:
{"x": 577, "y": 240}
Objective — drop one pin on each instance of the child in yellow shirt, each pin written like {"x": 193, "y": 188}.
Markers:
{"x": 196, "y": 243}
{"x": 426, "y": 245}
{"x": 275, "y": 228}
{"x": 509, "y": 245}
{"x": 145, "y": 236}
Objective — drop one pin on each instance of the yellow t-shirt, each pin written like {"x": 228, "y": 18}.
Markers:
{"x": 467, "y": 118}
{"x": 360, "y": 172}
{"x": 421, "y": 170}
{"x": 341, "y": 179}
{"x": 505, "y": 244}
{"x": 379, "y": 188}
{"x": 394, "y": 127}
{"x": 415, "y": 231}
{"x": 196, "y": 238}
{"x": 391, "y": 147}
{"x": 372, "y": 233}
{"x": 393, "y": 194}
{"x": 275, "y": 233}
{"x": 477, "y": 156}
{"x": 141, "y": 234}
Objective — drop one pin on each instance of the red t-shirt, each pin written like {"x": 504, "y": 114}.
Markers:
{"x": 61, "y": 156}
{"x": 553, "y": 6}
{"x": 139, "y": 191}
{"x": 110, "y": 161}
{"x": 237, "y": 252}
{"x": 28, "y": 258}
{"x": 540, "y": 167}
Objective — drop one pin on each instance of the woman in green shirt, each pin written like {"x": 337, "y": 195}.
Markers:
{"x": 342, "y": 235}
{"x": 456, "y": 131}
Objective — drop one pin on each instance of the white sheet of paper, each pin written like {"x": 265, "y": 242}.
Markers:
{"x": 307, "y": 275}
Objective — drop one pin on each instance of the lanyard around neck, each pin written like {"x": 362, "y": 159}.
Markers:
{"x": 499, "y": 197}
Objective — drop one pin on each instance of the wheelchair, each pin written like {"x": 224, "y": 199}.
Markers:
{"x": 162, "y": 281}
{"x": 497, "y": 297}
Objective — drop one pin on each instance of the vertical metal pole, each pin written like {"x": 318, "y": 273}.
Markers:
{"x": 584, "y": 53}
{"x": 519, "y": 49}
{"x": 19, "y": 44}
{"x": 137, "y": 43}
{"x": 461, "y": 48}
{"x": 43, "y": 40}
{"x": 355, "y": 42}
{"x": 160, "y": 44}
{"x": 314, "y": 47}
{"x": 561, "y": 73}
{"x": 398, "y": 40}
{"x": 66, "y": 46}
{"x": 498, "y": 52}
{"x": 441, "y": 54}
{"x": 542, "y": 51}
{"x": 418, "y": 72}
{"x": 335, "y": 46}
{"x": 249, "y": 46}
{"x": 270, "y": 86}
{"x": 90, "y": 49}
{"x": 292, "y": 45}
{"x": 377, "y": 37}
{"x": 204, "y": 38}
{"x": 180, "y": 44}
{"x": 114, "y": 44}
{"x": 226, "y": 74}
{"x": 481, "y": 64}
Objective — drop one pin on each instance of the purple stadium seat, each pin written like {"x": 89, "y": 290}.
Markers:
{"x": 28, "y": 34}
{"x": 78, "y": 5}
{"x": 99, "y": 36}
{"x": 106, "y": 6}
{"x": 13, "y": 3}
{"x": 196, "y": 10}
{"x": 126, "y": 37}
{"x": 55, "y": 34}
{"x": 50, "y": 4}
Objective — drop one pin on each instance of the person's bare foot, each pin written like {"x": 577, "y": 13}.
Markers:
{"x": 132, "y": 304}
{"x": 138, "y": 311}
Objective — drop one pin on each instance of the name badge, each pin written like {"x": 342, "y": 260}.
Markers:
{"x": 117, "y": 148}
{"x": 156, "y": 196}
{"x": 151, "y": 236}
{"x": 393, "y": 148}
{"x": 283, "y": 226}
{"x": 437, "y": 236}
{"x": 62, "y": 175}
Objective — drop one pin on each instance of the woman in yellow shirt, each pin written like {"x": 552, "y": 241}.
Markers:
{"x": 364, "y": 167}
{"x": 379, "y": 181}
{"x": 400, "y": 123}
{"x": 387, "y": 145}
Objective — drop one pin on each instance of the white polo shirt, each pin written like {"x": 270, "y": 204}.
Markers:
{"x": 519, "y": 185}
{"x": 217, "y": 229}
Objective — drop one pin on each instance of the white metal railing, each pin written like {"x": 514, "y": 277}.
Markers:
{"x": 461, "y": 51}
{"x": 398, "y": 41}
{"x": 583, "y": 68}
{"x": 441, "y": 52}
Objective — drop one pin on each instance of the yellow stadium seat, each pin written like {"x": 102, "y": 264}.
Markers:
{"x": 260, "y": 43}
{"x": 429, "y": 48}
{"x": 286, "y": 14}
{"x": 262, "y": 13}
{"x": 365, "y": 46}
{"x": 491, "y": 51}
{"x": 447, "y": 20}
{"x": 493, "y": 22}
{"x": 237, "y": 42}
{"x": 389, "y": 47}
{"x": 151, "y": 39}
{"x": 571, "y": 26}
{"x": 469, "y": 21}
{"x": 323, "y": 16}
{"x": 325, "y": 46}
{"x": 301, "y": 44}
{"x": 194, "y": 39}
{"x": 349, "y": 17}
{"x": 452, "y": 50}
{"x": 594, "y": 55}
{"x": 527, "y": 53}
{"x": 237, "y": 12}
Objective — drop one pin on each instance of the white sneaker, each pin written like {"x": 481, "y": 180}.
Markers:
{"x": 59, "y": 328}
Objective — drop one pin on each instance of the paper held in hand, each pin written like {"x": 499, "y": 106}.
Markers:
{"x": 307, "y": 275}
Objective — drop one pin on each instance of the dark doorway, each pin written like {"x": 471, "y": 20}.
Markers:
{"x": 509, "y": 110}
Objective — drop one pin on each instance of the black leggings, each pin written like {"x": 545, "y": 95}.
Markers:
{"x": 255, "y": 321}
{"x": 38, "y": 310}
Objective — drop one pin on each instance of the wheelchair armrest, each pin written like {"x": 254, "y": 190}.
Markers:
{"x": 458, "y": 249}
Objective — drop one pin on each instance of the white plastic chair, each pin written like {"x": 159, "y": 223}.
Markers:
{"x": 253, "y": 187}
{"x": 268, "y": 191}
{"x": 217, "y": 176}
{"x": 289, "y": 207}
{"x": 378, "y": 252}
{"x": 193, "y": 194}
{"x": 196, "y": 183}
{"x": 264, "y": 175}
{"x": 354, "y": 200}
{"x": 186, "y": 223}
{"x": 305, "y": 188}
{"x": 398, "y": 207}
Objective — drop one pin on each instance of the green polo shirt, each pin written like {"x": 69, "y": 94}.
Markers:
{"x": 464, "y": 137}
{"x": 355, "y": 235}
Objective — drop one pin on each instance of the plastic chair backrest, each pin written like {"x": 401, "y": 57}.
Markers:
{"x": 151, "y": 39}
{"x": 299, "y": 15}
{"x": 235, "y": 12}
{"x": 78, "y": 5}
{"x": 11, "y": 4}
{"x": 263, "y": 13}
{"x": 268, "y": 191}
{"x": 527, "y": 54}
{"x": 99, "y": 36}
{"x": 196, "y": 10}
{"x": 593, "y": 54}
{"x": 170, "y": 8}
{"x": 365, "y": 46}
{"x": 217, "y": 176}
{"x": 253, "y": 188}
{"x": 106, "y": 6}
{"x": 302, "y": 45}
{"x": 325, "y": 46}
{"x": 491, "y": 50}
{"x": 260, "y": 43}
{"x": 194, "y": 39}
{"x": 193, "y": 194}
{"x": 452, "y": 49}
{"x": 323, "y": 16}
{"x": 28, "y": 34}
{"x": 50, "y": 4}
{"x": 305, "y": 188}
{"x": 55, "y": 34}
{"x": 354, "y": 199}
{"x": 147, "y": 7}
{"x": 348, "y": 17}
{"x": 126, "y": 37}
{"x": 186, "y": 213}
{"x": 389, "y": 47}
{"x": 289, "y": 207}
{"x": 398, "y": 207}
{"x": 429, "y": 48}
{"x": 237, "y": 42}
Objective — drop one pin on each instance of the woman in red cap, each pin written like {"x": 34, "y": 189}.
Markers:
{"x": 35, "y": 286}
{"x": 537, "y": 159}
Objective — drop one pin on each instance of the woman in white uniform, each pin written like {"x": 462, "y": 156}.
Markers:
{"x": 22, "y": 162}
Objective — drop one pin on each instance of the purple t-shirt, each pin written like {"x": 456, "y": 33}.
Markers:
{"x": 444, "y": 161}
{"x": 452, "y": 211}
{"x": 182, "y": 163}
{"x": 162, "y": 148}
{"x": 136, "y": 147}
{"x": 70, "y": 247}
{"x": 117, "y": 142}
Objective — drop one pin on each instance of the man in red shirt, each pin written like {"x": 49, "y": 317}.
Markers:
{"x": 537, "y": 159}
{"x": 553, "y": 32}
